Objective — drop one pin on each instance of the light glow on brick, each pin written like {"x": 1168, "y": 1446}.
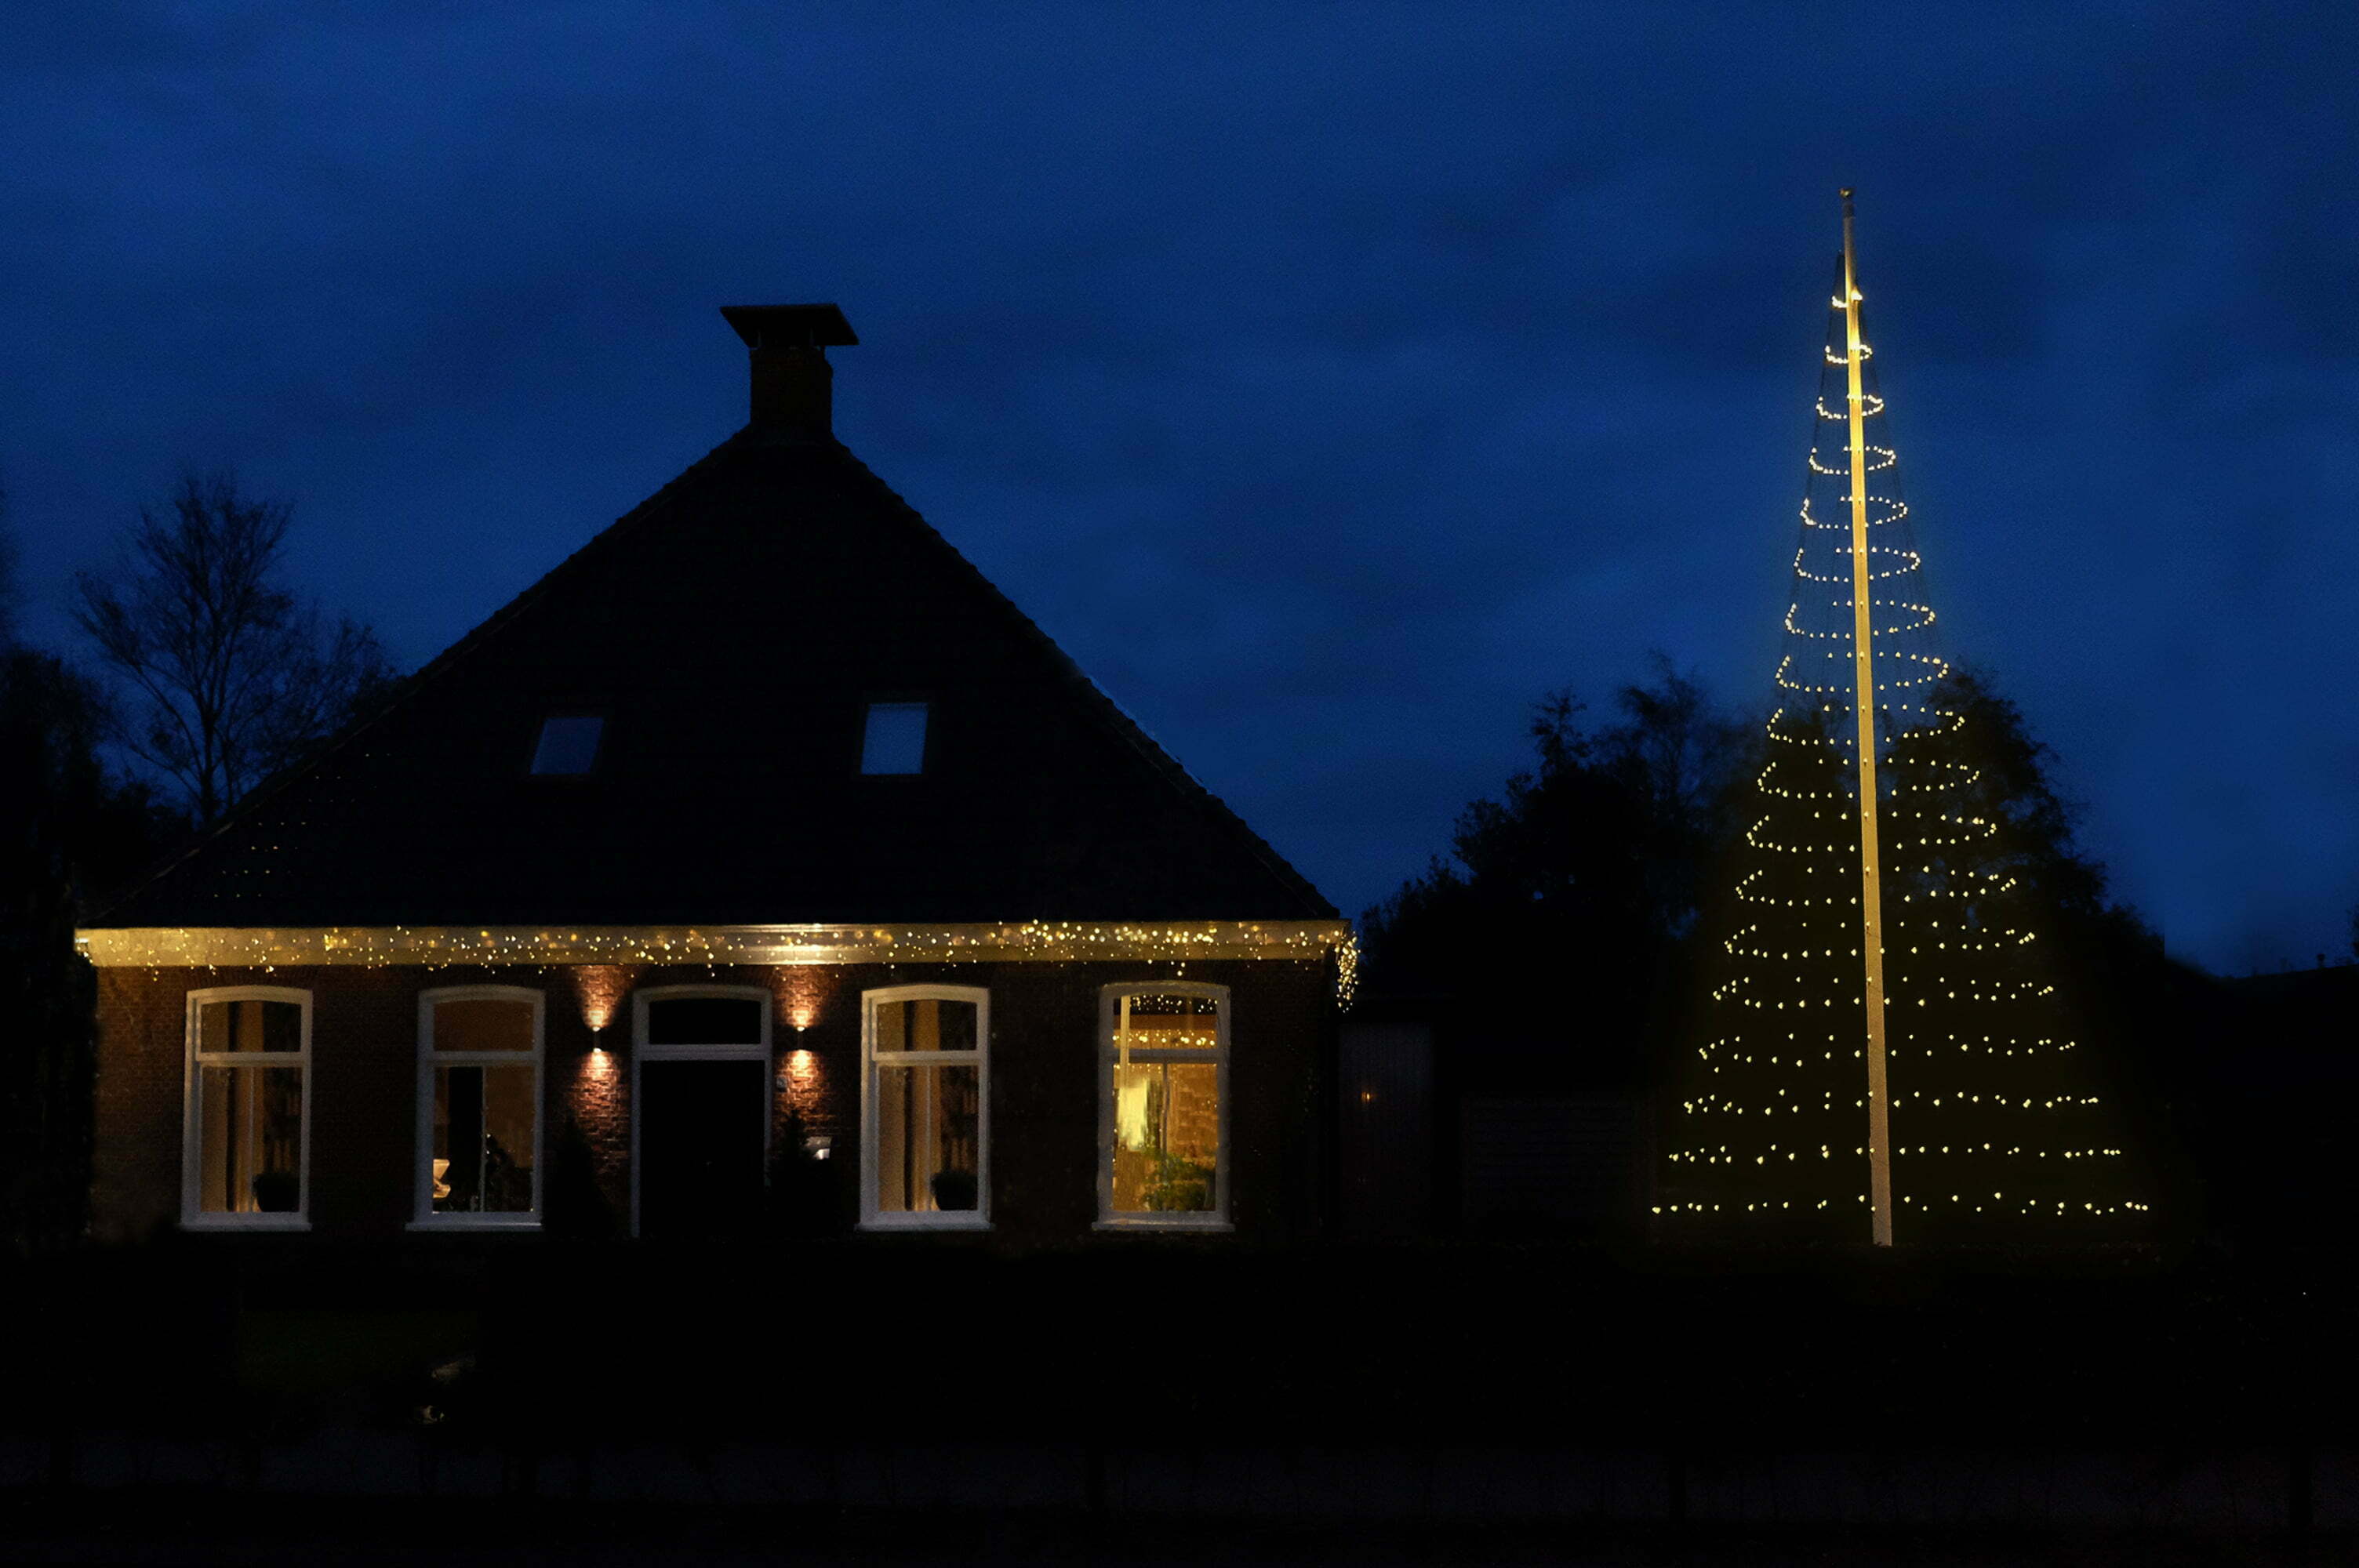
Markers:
{"x": 600, "y": 987}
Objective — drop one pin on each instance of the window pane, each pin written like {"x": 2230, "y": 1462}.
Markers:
{"x": 925, "y": 1025}
{"x": 705, "y": 1020}
{"x": 895, "y": 740}
{"x": 249, "y": 1140}
{"x": 483, "y": 1124}
{"x": 1172, "y": 1022}
{"x": 1167, "y": 1143}
{"x": 568, "y": 743}
{"x": 927, "y": 1145}
{"x": 250, "y": 1025}
{"x": 482, "y": 1025}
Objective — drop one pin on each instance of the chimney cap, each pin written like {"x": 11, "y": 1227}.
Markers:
{"x": 791, "y": 326}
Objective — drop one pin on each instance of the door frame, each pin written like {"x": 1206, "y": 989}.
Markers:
{"x": 643, "y": 1051}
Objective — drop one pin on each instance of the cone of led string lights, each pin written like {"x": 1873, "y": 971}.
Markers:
{"x": 1882, "y": 1054}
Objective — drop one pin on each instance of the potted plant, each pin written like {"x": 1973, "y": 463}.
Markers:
{"x": 954, "y": 1190}
{"x": 277, "y": 1192}
{"x": 1180, "y": 1185}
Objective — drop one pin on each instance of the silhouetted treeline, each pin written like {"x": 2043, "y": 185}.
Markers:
{"x": 70, "y": 835}
{"x": 1567, "y": 895}
{"x": 1580, "y": 910}
{"x": 216, "y": 672}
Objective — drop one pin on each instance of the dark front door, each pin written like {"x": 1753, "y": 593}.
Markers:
{"x": 701, "y": 1126}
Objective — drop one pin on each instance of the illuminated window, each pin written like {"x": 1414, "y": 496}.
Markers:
{"x": 895, "y": 739}
{"x": 247, "y": 1145}
{"x": 479, "y": 1050}
{"x": 568, "y": 744}
{"x": 1163, "y": 1106}
{"x": 925, "y": 1133}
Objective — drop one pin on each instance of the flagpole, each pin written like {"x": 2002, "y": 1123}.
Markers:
{"x": 1862, "y": 637}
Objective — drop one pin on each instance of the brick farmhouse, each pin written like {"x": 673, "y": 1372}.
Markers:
{"x": 761, "y": 867}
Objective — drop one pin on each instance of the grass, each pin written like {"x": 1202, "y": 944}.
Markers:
{"x": 1412, "y": 1344}
{"x": 328, "y": 1354}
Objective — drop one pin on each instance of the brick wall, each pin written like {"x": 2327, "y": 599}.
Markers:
{"x": 1044, "y": 1115}
{"x": 135, "y": 1138}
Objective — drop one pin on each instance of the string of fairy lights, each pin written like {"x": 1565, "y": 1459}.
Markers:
{"x": 1774, "y": 1120}
{"x": 715, "y": 946}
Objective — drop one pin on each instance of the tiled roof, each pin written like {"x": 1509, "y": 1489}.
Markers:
{"x": 733, "y": 629}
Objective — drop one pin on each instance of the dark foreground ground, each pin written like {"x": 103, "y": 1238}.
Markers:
{"x": 840, "y": 1402}
{"x": 166, "y": 1532}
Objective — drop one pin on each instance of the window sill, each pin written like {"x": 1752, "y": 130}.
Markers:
{"x": 236, "y": 1222}
{"x": 887, "y": 1224}
{"x": 476, "y": 1223}
{"x": 1212, "y": 1223}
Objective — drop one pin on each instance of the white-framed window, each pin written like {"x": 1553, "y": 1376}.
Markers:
{"x": 479, "y": 1096}
{"x": 246, "y": 1149}
{"x": 925, "y": 1122}
{"x": 1163, "y": 1106}
{"x": 700, "y": 1105}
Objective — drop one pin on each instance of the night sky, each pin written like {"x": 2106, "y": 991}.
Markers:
{"x": 1331, "y": 381}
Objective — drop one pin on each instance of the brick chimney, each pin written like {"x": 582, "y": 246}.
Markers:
{"x": 793, "y": 386}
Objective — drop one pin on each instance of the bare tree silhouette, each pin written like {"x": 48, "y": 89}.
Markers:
{"x": 229, "y": 676}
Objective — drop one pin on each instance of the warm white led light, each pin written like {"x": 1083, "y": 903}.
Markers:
{"x": 1971, "y": 1042}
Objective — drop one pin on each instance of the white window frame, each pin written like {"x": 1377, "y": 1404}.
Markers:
{"x": 1112, "y": 1051}
{"x": 873, "y": 1061}
{"x": 192, "y": 1125}
{"x": 424, "y": 1217}
{"x": 641, "y": 1052}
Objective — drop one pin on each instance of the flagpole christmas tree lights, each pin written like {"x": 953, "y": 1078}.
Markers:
{"x": 1863, "y": 707}
{"x": 1883, "y": 1051}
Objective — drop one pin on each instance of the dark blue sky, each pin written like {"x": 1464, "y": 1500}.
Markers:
{"x": 1331, "y": 380}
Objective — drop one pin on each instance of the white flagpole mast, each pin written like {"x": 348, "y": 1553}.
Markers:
{"x": 1871, "y": 900}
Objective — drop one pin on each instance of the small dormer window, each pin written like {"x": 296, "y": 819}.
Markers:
{"x": 568, "y": 745}
{"x": 895, "y": 740}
